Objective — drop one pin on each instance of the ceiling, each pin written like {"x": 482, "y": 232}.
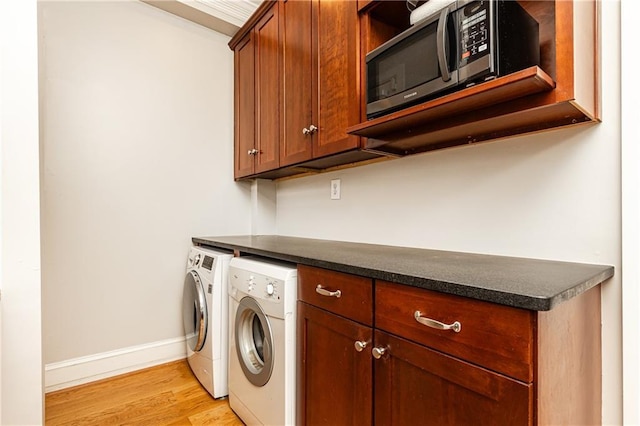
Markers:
{"x": 235, "y": 12}
{"x": 225, "y": 16}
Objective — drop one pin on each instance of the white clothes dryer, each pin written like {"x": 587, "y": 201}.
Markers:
{"x": 262, "y": 344}
{"x": 205, "y": 313}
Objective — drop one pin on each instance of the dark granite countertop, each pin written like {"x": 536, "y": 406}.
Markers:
{"x": 523, "y": 283}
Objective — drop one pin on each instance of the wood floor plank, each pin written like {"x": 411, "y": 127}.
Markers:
{"x": 123, "y": 388}
{"x": 168, "y": 394}
{"x": 218, "y": 416}
{"x": 126, "y": 414}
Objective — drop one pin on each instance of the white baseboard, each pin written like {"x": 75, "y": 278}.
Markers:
{"x": 77, "y": 371}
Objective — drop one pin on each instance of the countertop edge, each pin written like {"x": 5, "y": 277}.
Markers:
{"x": 517, "y": 300}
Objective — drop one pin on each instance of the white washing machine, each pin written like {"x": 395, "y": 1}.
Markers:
{"x": 262, "y": 344}
{"x": 205, "y": 313}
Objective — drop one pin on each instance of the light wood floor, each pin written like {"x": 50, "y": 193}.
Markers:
{"x": 168, "y": 394}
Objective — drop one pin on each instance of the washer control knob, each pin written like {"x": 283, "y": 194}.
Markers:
{"x": 270, "y": 289}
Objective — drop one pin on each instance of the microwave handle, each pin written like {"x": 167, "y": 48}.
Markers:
{"x": 440, "y": 44}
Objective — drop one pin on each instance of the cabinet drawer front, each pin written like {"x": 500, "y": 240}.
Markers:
{"x": 494, "y": 336}
{"x": 319, "y": 287}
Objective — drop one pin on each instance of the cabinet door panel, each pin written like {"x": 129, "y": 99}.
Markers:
{"x": 416, "y": 385}
{"x": 244, "y": 106}
{"x": 337, "y": 101}
{"x": 334, "y": 380}
{"x": 268, "y": 79}
{"x": 297, "y": 81}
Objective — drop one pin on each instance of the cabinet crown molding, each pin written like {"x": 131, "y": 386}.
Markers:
{"x": 235, "y": 12}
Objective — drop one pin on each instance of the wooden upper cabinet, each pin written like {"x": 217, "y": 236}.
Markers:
{"x": 297, "y": 65}
{"x": 300, "y": 86}
{"x": 304, "y": 74}
{"x": 320, "y": 78}
{"x": 257, "y": 80}
{"x": 562, "y": 91}
{"x": 338, "y": 102}
{"x": 244, "y": 87}
{"x": 267, "y": 91}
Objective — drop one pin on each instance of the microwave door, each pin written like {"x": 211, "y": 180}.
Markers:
{"x": 413, "y": 66}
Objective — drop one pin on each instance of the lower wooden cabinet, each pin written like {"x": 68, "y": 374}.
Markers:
{"x": 375, "y": 352}
{"x": 416, "y": 385}
{"x": 335, "y": 381}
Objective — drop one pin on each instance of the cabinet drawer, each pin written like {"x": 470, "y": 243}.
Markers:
{"x": 319, "y": 287}
{"x": 494, "y": 336}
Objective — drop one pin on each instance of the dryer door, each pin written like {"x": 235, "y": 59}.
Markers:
{"x": 194, "y": 311}
{"x": 254, "y": 341}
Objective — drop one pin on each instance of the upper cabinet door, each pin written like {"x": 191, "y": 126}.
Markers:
{"x": 257, "y": 89}
{"x": 297, "y": 78}
{"x": 244, "y": 106}
{"x": 267, "y": 91}
{"x": 336, "y": 76}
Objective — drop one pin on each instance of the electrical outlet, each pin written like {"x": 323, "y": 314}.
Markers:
{"x": 335, "y": 189}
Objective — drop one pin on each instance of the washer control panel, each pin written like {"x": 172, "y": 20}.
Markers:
{"x": 258, "y": 286}
{"x": 207, "y": 262}
{"x": 269, "y": 282}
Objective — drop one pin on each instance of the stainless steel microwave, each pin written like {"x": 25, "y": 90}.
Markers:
{"x": 464, "y": 43}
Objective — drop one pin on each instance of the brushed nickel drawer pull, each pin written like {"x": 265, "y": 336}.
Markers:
{"x": 456, "y": 326}
{"x": 328, "y": 293}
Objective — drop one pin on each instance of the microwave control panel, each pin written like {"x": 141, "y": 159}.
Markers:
{"x": 473, "y": 24}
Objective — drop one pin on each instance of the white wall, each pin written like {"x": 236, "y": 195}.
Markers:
{"x": 630, "y": 214}
{"x": 20, "y": 333}
{"x": 137, "y": 121}
{"x": 554, "y": 195}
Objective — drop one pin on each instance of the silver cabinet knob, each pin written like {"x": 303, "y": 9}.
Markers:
{"x": 252, "y": 151}
{"x": 378, "y": 352}
{"x": 312, "y": 129}
{"x": 360, "y": 345}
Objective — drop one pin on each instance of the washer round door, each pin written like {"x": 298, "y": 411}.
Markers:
{"x": 254, "y": 341}
{"x": 194, "y": 312}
